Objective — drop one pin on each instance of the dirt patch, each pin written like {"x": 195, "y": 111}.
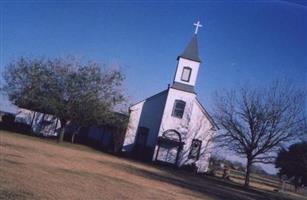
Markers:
{"x": 14, "y": 155}
{"x": 14, "y": 146}
{"x": 11, "y": 161}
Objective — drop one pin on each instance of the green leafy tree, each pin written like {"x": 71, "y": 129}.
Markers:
{"x": 293, "y": 163}
{"x": 82, "y": 93}
{"x": 255, "y": 123}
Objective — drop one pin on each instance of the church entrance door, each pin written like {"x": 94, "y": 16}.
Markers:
{"x": 169, "y": 147}
{"x": 140, "y": 143}
{"x": 167, "y": 154}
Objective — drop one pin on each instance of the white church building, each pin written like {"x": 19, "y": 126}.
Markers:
{"x": 172, "y": 127}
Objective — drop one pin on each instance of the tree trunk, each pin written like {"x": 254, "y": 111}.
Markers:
{"x": 74, "y": 135}
{"x": 62, "y": 130}
{"x": 247, "y": 173}
{"x": 61, "y": 135}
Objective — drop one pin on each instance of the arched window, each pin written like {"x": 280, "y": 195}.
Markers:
{"x": 172, "y": 135}
{"x": 186, "y": 74}
{"x": 178, "y": 109}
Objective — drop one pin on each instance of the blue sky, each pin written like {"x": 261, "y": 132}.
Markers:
{"x": 239, "y": 42}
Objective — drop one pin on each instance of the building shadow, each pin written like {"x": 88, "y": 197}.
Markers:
{"x": 201, "y": 184}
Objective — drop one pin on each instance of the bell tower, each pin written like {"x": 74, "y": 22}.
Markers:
{"x": 187, "y": 65}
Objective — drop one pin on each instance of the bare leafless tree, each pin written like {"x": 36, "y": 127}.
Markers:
{"x": 255, "y": 123}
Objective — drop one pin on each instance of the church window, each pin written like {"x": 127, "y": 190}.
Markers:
{"x": 195, "y": 149}
{"x": 178, "y": 109}
{"x": 186, "y": 73}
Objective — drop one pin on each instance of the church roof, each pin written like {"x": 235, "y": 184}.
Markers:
{"x": 191, "y": 51}
{"x": 153, "y": 96}
{"x": 207, "y": 114}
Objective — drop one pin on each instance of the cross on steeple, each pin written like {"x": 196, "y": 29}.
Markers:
{"x": 197, "y": 25}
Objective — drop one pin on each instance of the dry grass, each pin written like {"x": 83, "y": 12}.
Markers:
{"x": 260, "y": 183}
{"x": 33, "y": 168}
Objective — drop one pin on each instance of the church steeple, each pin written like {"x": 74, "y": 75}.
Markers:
{"x": 191, "y": 51}
{"x": 187, "y": 66}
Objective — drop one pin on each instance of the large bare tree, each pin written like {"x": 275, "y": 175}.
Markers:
{"x": 256, "y": 122}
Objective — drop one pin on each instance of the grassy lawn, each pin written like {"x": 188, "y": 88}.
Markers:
{"x": 34, "y": 168}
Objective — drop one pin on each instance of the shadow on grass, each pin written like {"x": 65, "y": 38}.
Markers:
{"x": 15, "y": 195}
{"x": 208, "y": 186}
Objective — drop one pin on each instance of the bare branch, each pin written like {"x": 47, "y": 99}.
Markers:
{"x": 256, "y": 122}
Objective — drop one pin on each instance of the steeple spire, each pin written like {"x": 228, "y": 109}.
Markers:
{"x": 191, "y": 51}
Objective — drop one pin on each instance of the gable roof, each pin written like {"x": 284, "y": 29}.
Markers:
{"x": 191, "y": 51}
{"x": 215, "y": 126}
{"x": 153, "y": 96}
